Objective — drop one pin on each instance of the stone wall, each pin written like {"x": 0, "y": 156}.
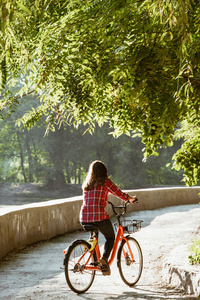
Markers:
{"x": 27, "y": 224}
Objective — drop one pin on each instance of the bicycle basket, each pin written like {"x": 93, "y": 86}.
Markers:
{"x": 130, "y": 226}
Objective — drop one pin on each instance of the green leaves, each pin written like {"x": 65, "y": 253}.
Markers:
{"x": 194, "y": 257}
{"x": 133, "y": 63}
{"x": 23, "y": 7}
{"x": 188, "y": 157}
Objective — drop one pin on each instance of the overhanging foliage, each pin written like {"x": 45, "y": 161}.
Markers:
{"x": 134, "y": 64}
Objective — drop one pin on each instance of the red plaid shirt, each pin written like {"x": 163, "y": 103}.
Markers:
{"x": 95, "y": 201}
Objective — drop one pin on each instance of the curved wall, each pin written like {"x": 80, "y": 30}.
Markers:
{"x": 27, "y": 224}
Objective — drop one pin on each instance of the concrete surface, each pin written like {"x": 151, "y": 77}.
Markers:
{"x": 34, "y": 272}
{"x": 177, "y": 271}
{"x": 31, "y": 223}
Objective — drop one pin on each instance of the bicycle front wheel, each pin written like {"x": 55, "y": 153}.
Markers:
{"x": 130, "y": 261}
{"x": 78, "y": 278}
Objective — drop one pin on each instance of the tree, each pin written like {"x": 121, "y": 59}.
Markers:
{"x": 134, "y": 64}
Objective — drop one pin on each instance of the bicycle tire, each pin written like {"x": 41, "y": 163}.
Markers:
{"x": 78, "y": 279}
{"x": 129, "y": 270}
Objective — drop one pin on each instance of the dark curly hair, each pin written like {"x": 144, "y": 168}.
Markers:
{"x": 96, "y": 175}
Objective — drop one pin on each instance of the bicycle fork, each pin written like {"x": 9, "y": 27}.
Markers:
{"x": 127, "y": 253}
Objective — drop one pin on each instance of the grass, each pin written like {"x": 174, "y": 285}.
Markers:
{"x": 194, "y": 257}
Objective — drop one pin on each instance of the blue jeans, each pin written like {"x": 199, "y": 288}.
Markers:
{"x": 106, "y": 228}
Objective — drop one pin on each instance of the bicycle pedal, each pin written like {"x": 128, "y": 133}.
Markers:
{"x": 95, "y": 264}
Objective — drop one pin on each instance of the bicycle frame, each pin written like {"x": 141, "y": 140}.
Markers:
{"x": 119, "y": 237}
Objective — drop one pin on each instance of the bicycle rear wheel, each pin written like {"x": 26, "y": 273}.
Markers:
{"x": 130, "y": 261}
{"x": 79, "y": 279}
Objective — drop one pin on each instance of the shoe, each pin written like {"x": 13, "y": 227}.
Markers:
{"x": 92, "y": 243}
{"x": 105, "y": 268}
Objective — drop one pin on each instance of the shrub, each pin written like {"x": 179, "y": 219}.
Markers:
{"x": 194, "y": 257}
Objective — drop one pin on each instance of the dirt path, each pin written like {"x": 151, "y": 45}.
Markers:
{"x": 34, "y": 273}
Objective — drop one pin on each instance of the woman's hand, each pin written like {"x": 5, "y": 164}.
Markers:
{"x": 133, "y": 199}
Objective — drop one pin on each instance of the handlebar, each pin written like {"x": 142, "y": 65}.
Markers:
{"x": 122, "y": 207}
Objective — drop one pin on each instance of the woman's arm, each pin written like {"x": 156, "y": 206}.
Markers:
{"x": 113, "y": 189}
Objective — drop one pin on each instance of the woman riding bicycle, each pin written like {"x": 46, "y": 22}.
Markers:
{"x": 96, "y": 188}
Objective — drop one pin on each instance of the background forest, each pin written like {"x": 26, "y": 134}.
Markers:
{"x": 62, "y": 156}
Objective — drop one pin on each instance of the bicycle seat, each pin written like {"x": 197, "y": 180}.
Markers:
{"x": 90, "y": 227}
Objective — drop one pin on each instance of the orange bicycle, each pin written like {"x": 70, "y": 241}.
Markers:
{"x": 81, "y": 263}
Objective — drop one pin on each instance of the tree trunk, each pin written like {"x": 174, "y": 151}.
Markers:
{"x": 21, "y": 157}
{"x": 79, "y": 173}
{"x": 75, "y": 176}
{"x": 28, "y": 148}
{"x": 68, "y": 172}
{"x": 35, "y": 162}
